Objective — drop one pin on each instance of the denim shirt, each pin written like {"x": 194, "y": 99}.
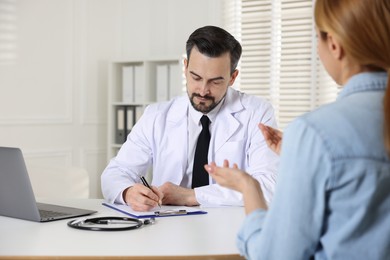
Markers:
{"x": 332, "y": 198}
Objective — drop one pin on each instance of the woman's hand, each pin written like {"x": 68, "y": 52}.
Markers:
{"x": 273, "y": 137}
{"x": 240, "y": 181}
{"x": 232, "y": 178}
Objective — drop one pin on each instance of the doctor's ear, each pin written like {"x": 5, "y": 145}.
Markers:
{"x": 185, "y": 64}
{"x": 233, "y": 77}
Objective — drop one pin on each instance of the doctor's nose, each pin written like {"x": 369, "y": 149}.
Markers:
{"x": 204, "y": 89}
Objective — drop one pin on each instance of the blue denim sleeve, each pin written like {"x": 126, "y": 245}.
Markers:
{"x": 251, "y": 226}
{"x": 292, "y": 227}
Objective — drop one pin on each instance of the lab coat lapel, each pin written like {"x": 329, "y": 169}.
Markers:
{"x": 226, "y": 124}
{"x": 178, "y": 129}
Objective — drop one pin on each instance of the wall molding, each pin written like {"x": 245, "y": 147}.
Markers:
{"x": 47, "y": 154}
{"x": 37, "y": 120}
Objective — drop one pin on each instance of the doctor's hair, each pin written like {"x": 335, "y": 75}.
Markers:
{"x": 362, "y": 28}
{"x": 213, "y": 42}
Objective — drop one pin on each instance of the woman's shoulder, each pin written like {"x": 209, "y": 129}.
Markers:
{"x": 347, "y": 129}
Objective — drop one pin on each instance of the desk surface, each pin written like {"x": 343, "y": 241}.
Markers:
{"x": 209, "y": 236}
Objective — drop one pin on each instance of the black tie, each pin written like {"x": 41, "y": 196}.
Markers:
{"x": 199, "y": 175}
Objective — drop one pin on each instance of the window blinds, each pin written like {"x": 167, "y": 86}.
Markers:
{"x": 7, "y": 32}
{"x": 279, "y": 59}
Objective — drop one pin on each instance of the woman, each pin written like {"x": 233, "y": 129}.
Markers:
{"x": 332, "y": 199}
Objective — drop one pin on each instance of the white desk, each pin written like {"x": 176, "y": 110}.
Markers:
{"x": 209, "y": 236}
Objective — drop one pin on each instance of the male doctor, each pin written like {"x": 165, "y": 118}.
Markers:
{"x": 167, "y": 133}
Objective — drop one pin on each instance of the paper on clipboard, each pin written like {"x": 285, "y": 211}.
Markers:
{"x": 165, "y": 211}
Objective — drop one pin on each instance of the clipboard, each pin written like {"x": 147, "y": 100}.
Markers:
{"x": 165, "y": 211}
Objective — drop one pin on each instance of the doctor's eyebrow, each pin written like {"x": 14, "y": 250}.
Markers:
{"x": 212, "y": 79}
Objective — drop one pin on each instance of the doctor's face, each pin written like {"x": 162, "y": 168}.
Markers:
{"x": 207, "y": 79}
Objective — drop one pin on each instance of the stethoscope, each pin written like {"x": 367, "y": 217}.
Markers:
{"x": 109, "y": 223}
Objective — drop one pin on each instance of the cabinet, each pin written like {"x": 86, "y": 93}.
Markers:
{"x": 132, "y": 85}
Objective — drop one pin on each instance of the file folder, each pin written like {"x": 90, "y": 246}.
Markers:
{"x": 165, "y": 211}
{"x": 130, "y": 118}
{"x": 162, "y": 83}
{"x": 175, "y": 81}
{"x": 120, "y": 131}
{"x": 128, "y": 84}
{"x": 142, "y": 90}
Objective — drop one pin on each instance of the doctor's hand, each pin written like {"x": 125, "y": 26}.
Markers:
{"x": 240, "y": 181}
{"x": 141, "y": 198}
{"x": 176, "y": 195}
{"x": 273, "y": 137}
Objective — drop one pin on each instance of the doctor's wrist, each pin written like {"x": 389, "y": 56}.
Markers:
{"x": 124, "y": 193}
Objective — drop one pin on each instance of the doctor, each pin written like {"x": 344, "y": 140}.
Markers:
{"x": 165, "y": 137}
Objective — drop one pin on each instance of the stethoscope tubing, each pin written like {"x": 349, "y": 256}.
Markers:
{"x": 88, "y": 224}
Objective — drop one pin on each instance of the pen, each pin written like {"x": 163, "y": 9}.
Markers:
{"x": 146, "y": 184}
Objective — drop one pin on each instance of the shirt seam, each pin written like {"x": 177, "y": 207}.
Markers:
{"x": 328, "y": 150}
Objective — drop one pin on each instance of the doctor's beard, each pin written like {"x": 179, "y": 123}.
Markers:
{"x": 202, "y": 107}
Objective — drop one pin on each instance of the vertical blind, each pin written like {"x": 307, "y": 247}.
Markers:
{"x": 8, "y": 28}
{"x": 279, "y": 59}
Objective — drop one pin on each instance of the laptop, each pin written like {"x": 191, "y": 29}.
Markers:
{"x": 17, "y": 198}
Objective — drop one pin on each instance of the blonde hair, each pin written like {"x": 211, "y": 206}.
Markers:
{"x": 363, "y": 28}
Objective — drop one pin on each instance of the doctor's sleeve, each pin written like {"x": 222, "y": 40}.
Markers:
{"x": 132, "y": 160}
{"x": 262, "y": 162}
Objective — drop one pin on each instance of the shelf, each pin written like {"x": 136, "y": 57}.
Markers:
{"x": 131, "y": 104}
{"x": 134, "y": 84}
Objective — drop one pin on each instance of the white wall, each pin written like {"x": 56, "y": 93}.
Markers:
{"x": 53, "y": 70}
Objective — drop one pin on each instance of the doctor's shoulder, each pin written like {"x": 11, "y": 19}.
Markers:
{"x": 166, "y": 107}
{"x": 159, "y": 107}
{"x": 253, "y": 103}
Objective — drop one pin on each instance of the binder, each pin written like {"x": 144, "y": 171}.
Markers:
{"x": 165, "y": 211}
{"x": 138, "y": 112}
{"x": 162, "y": 82}
{"x": 120, "y": 131}
{"x": 130, "y": 118}
{"x": 128, "y": 84}
{"x": 175, "y": 81}
{"x": 141, "y": 90}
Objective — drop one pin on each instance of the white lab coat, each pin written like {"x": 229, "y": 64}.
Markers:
{"x": 160, "y": 139}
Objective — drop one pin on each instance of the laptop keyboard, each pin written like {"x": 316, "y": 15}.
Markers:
{"x": 51, "y": 214}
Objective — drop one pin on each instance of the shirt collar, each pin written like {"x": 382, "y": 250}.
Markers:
{"x": 367, "y": 81}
